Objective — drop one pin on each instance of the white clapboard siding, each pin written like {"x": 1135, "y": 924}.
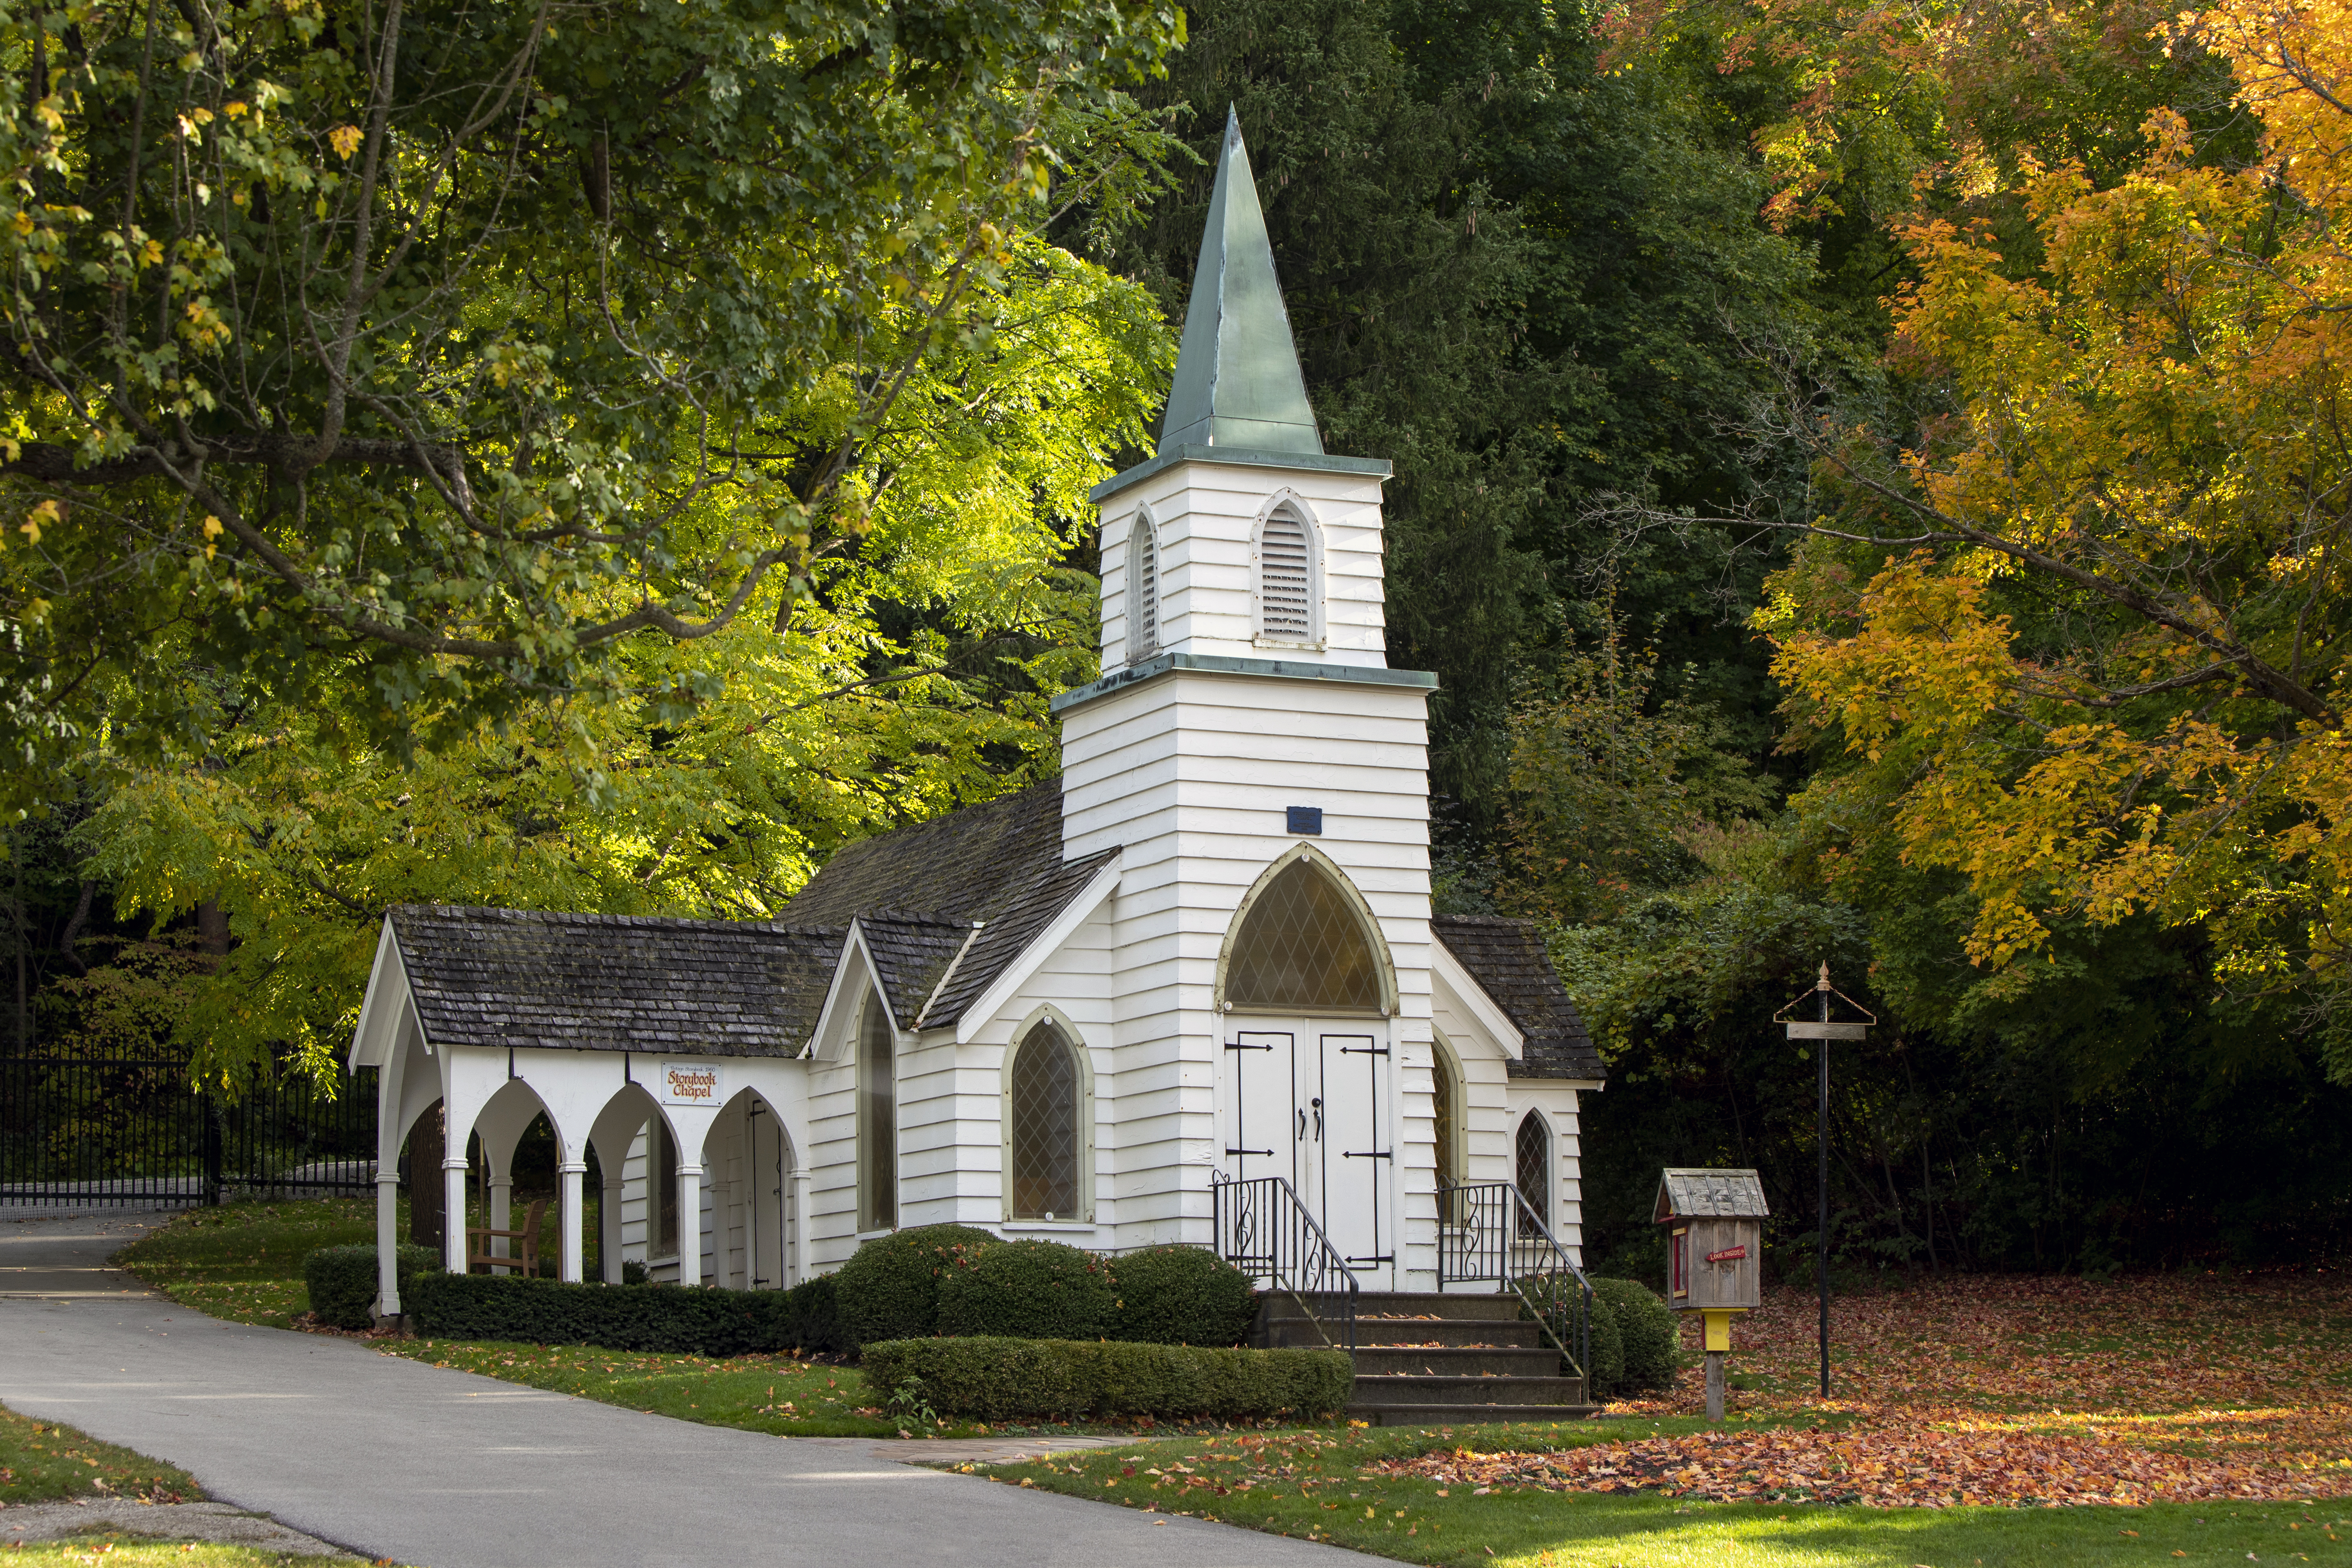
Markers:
{"x": 634, "y": 1193}
{"x": 1188, "y": 774}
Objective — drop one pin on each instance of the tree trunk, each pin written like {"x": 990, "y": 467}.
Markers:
{"x": 212, "y": 929}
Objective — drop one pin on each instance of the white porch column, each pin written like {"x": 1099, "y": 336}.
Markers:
{"x": 608, "y": 1224}
{"x": 387, "y": 1239}
{"x": 453, "y": 1211}
{"x": 571, "y": 1175}
{"x": 803, "y": 1183}
{"x": 689, "y": 1224}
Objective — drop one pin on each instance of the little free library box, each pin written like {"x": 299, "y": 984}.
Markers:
{"x": 1717, "y": 1230}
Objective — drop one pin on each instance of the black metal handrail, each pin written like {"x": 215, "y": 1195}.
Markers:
{"x": 1487, "y": 1230}
{"x": 1266, "y": 1231}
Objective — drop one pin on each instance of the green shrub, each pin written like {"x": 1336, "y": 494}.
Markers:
{"x": 1607, "y": 1372}
{"x": 1645, "y": 1328}
{"x": 1025, "y": 1290}
{"x": 1181, "y": 1296}
{"x": 1005, "y": 1379}
{"x": 626, "y": 1317}
{"x": 342, "y": 1282}
{"x": 889, "y": 1288}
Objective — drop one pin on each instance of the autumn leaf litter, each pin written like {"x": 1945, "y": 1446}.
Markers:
{"x": 2018, "y": 1391}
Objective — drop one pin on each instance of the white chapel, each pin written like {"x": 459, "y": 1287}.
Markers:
{"x": 1191, "y": 992}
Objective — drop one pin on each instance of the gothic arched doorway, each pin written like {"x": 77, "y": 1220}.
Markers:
{"x": 1306, "y": 991}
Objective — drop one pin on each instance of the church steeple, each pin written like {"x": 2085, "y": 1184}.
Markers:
{"x": 1237, "y": 378}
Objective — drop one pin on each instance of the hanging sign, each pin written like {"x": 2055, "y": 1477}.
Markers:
{"x": 690, "y": 1083}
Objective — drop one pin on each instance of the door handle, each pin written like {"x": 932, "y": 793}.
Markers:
{"x": 1318, "y": 1119}
{"x": 1302, "y": 1127}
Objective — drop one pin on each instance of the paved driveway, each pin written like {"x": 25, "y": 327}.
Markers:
{"x": 442, "y": 1469}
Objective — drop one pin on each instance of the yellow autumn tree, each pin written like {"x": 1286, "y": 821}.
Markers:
{"x": 2082, "y": 633}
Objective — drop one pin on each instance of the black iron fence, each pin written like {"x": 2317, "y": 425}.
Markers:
{"x": 125, "y": 1130}
{"x": 1264, "y": 1229}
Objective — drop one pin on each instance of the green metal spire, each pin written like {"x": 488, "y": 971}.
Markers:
{"x": 1237, "y": 378}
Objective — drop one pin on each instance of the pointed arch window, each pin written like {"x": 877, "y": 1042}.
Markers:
{"x": 1142, "y": 591}
{"x": 1043, "y": 1110}
{"x": 878, "y": 1119}
{"x": 1533, "y": 1167}
{"x": 1285, "y": 577}
{"x": 1303, "y": 948}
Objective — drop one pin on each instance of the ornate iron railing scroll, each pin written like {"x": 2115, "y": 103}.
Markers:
{"x": 1264, "y": 1230}
{"x": 1485, "y": 1230}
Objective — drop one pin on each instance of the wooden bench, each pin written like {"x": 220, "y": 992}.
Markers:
{"x": 525, "y": 1257}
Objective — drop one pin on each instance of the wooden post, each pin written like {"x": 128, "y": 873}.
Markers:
{"x": 1718, "y": 1342}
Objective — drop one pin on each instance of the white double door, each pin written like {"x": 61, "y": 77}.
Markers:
{"x": 1308, "y": 1100}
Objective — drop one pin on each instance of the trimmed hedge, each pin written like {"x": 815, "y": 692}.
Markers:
{"x": 1025, "y": 1290}
{"x": 342, "y": 1280}
{"x": 1181, "y": 1296}
{"x": 626, "y": 1317}
{"x": 890, "y": 1286}
{"x": 1003, "y": 1379}
{"x": 1645, "y": 1325}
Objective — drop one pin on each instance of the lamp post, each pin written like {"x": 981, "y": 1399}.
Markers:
{"x": 1819, "y": 1030}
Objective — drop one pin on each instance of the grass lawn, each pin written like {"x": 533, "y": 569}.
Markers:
{"x": 117, "y": 1549}
{"x": 244, "y": 1261}
{"x": 42, "y": 1462}
{"x": 1346, "y": 1488}
{"x": 758, "y": 1392}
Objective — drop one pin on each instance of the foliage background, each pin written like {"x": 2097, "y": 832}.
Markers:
{"x": 1632, "y": 298}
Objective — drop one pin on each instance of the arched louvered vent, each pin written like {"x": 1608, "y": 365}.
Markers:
{"x": 1143, "y": 592}
{"x": 1285, "y": 610}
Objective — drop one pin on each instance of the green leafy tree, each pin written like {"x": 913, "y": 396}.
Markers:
{"x": 714, "y": 777}
{"x": 446, "y": 347}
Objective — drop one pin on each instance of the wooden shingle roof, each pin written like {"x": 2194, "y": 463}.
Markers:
{"x": 613, "y": 983}
{"x": 1710, "y": 1194}
{"x": 997, "y": 865}
{"x": 1506, "y": 958}
{"x": 956, "y": 868}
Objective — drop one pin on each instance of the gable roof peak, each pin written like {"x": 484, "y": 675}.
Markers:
{"x": 1237, "y": 378}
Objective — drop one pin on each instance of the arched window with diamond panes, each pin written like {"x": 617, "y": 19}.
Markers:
{"x": 1304, "y": 947}
{"x": 1534, "y": 1169}
{"x": 1287, "y": 576}
{"x": 878, "y": 1119}
{"x": 1045, "y": 1095}
{"x": 1142, "y": 591}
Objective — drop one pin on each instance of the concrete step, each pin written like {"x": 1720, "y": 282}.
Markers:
{"x": 1417, "y": 1388}
{"x": 1420, "y": 1304}
{"x": 1290, "y": 1328}
{"x": 1448, "y": 1332}
{"x": 1466, "y": 1414}
{"x": 1455, "y": 1361}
